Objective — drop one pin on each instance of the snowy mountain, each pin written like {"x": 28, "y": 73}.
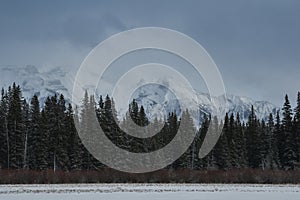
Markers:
{"x": 35, "y": 82}
{"x": 155, "y": 98}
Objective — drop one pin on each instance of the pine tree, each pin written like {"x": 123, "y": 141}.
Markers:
{"x": 212, "y": 130}
{"x": 253, "y": 142}
{"x": 4, "y": 142}
{"x": 93, "y": 128}
{"x": 25, "y": 130}
{"x": 289, "y": 157}
{"x": 85, "y": 130}
{"x": 2, "y": 136}
{"x": 297, "y": 127}
{"x": 15, "y": 135}
{"x": 238, "y": 144}
{"x": 186, "y": 160}
{"x": 222, "y": 149}
{"x": 143, "y": 120}
{"x": 51, "y": 131}
{"x": 35, "y": 140}
{"x": 273, "y": 129}
{"x": 265, "y": 149}
{"x": 62, "y": 135}
{"x": 132, "y": 120}
{"x": 134, "y": 111}
{"x": 203, "y": 162}
{"x": 280, "y": 139}
{"x": 73, "y": 146}
{"x": 232, "y": 155}
{"x": 100, "y": 110}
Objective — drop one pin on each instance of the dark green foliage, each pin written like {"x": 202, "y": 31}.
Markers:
{"x": 273, "y": 130}
{"x": 26, "y": 130}
{"x": 47, "y": 139}
{"x": 296, "y": 127}
{"x": 204, "y": 162}
{"x": 4, "y": 144}
{"x": 73, "y": 141}
{"x": 14, "y": 126}
{"x": 289, "y": 157}
{"x": 253, "y": 141}
{"x": 36, "y": 141}
{"x": 237, "y": 143}
{"x": 221, "y": 151}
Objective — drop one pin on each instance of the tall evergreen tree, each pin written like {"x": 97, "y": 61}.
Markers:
{"x": 35, "y": 139}
{"x": 289, "y": 157}
{"x": 62, "y": 135}
{"x": 212, "y": 130}
{"x": 265, "y": 149}
{"x": 232, "y": 155}
{"x": 253, "y": 142}
{"x": 85, "y": 130}
{"x": 25, "y": 130}
{"x": 15, "y": 134}
{"x": 273, "y": 130}
{"x": 238, "y": 144}
{"x": 4, "y": 142}
{"x": 73, "y": 146}
{"x": 222, "y": 148}
{"x": 204, "y": 162}
{"x": 186, "y": 160}
{"x": 297, "y": 127}
{"x": 51, "y": 131}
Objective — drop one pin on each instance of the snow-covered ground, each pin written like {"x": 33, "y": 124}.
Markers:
{"x": 151, "y": 191}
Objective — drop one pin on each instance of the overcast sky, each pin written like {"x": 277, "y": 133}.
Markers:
{"x": 255, "y": 43}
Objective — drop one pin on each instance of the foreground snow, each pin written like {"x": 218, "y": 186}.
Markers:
{"x": 151, "y": 191}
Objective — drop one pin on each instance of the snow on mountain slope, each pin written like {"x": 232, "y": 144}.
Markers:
{"x": 34, "y": 82}
{"x": 154, "y": 97}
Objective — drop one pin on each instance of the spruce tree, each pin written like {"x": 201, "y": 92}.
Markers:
{"x": 73, "y": 146}
{"x": 222, "y": 149}
{"x": 253, "y": 142}
{"x": 289, "y": 157}
{"x": 4, "y": 142}
{"x": 273, "y": 130}
{"x": 25, "y": 130}
{"x": 35, "y": 140}
{"x": 297, "y": 127}
{"x": 85, "y": 130}
{"x": 238, "y": 144}
{"x": 232, "y": 155}
{"x": 134, "y": 111}
{"x": 15, "y": 134}
{"x": 213, "y": 129}
{"x": 62, "y": 135}
{"x": 51, "y": 131}
{"x": 280, "y": 139}
{"x": 203, "y": 162}
{"x": 265, "y": 150}
{"x": 186, "y": 160}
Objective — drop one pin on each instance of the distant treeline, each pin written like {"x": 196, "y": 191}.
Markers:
{"x": 35, "y": 137}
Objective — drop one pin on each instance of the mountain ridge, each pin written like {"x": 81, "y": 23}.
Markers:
{"x": 58, "y": 81}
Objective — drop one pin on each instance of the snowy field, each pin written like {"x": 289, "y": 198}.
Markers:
{"x": 150, "y": 192}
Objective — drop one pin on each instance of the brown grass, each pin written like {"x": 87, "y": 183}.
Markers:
{"x": 162, "y": 176}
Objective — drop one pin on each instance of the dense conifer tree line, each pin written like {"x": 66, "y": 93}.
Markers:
{"x": 44, "y": 137}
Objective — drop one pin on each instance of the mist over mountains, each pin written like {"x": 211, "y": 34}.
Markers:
{"x": 154, "y": 98}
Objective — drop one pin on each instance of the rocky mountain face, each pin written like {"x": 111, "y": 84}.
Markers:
{"x": 155, "y": 98}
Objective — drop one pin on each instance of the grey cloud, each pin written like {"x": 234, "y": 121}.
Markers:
{"x": 243, "y": 37}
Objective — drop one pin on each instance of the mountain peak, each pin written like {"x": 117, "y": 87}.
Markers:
{"x": 155, "y": 98}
